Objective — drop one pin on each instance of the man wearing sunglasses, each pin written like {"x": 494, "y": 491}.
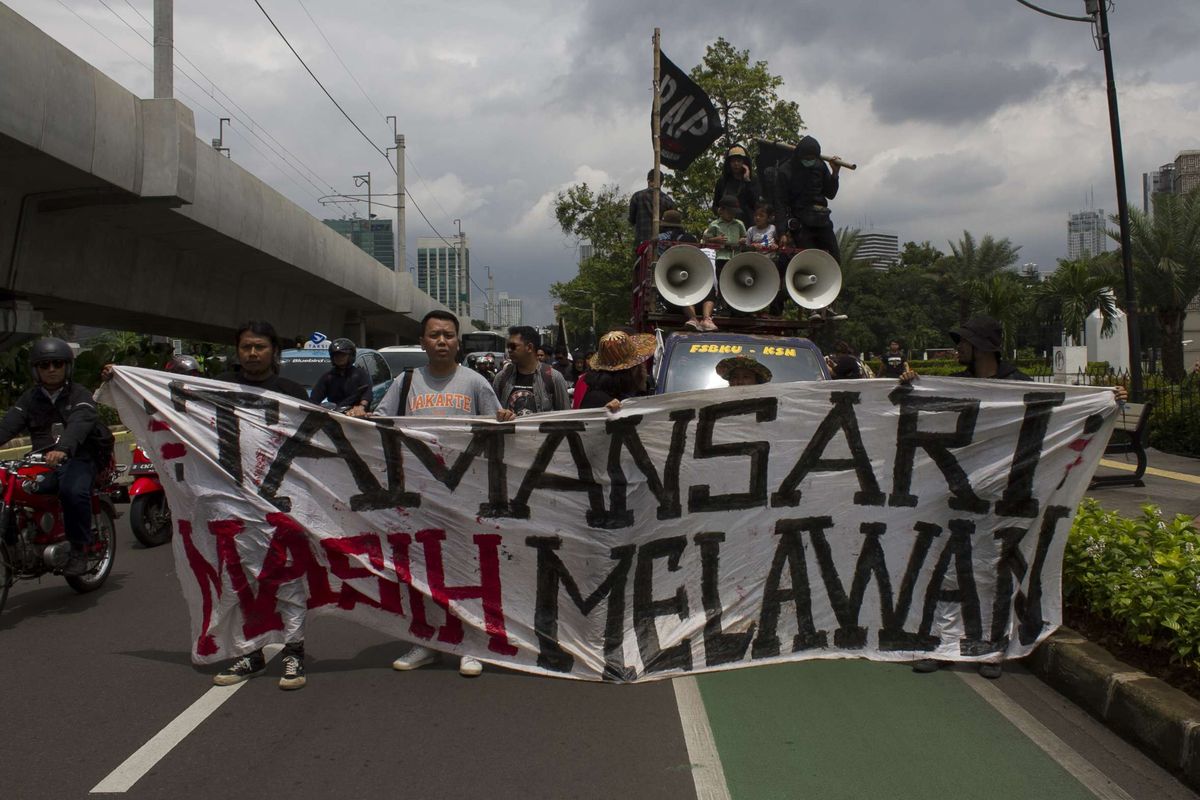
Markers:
{"x": 525, "y": 386}
{"x": 61, "y": 419}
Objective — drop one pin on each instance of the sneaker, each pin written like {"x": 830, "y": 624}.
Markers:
{"x": 707, "y": 324}
{"x": 991, "y": 670}
{"x": 926, "y": 665}
{"x": 469, "y": 667}
{"x": 694, "y": 324}
{"x": 415, "y": 658}
{"x": 77, "y": 563}
{"x": 293, "y": 672}
{"x": 245, "y": 667}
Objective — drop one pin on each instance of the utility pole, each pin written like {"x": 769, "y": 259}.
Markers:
{"x": 399, "y": 237}
{"x": 493, "y": 319}
{"x": 164, "y": 47}
{"x": 464, "y": 277}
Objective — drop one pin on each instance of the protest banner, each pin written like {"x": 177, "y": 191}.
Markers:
{"x": 687, "y": 532}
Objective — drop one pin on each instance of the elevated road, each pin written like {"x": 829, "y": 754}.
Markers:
{"x": 113, "y": 213}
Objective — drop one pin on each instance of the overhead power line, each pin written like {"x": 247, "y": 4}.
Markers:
{"x": 249, "y": 124}
{"x": 313, "y": 75}
{"x": 333, "y": 50}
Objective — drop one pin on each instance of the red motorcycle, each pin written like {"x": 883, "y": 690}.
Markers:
{"x": 33, "y": 541}
{"x": 149, "y": 514}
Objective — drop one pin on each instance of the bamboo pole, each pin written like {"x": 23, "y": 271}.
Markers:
{"x": 655, "y": 124}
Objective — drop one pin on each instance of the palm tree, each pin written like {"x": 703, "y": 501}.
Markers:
{"x": 1073, "y": 292}
{"x": 1004, "y": 296}
{"x": 849, "y": 240}
{"x": 970, "y": 262}
{"x": 1166, "y": 261}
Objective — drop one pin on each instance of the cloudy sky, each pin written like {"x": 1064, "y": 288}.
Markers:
{"x": 976, "y": 116}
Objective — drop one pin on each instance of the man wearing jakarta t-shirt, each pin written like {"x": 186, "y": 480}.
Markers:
{"x": 440, "y": 389}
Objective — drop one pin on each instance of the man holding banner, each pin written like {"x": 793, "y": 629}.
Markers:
{"x": 440, "y": 389}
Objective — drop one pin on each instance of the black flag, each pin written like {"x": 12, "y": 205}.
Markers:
{"x": 688, "y": 122}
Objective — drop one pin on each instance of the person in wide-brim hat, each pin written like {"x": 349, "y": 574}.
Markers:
{"x": 617, "y": 370}
{"x": 671, "y": 219}
{"x": 619, "y": 350}
{"x": 754, "y": 372}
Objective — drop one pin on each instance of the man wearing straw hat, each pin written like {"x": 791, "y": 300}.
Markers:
{"x": 743, "y": 371}
{"x": 617, "y": 370}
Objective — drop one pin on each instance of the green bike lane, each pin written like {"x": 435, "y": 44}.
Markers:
{"x": 857, "y": 729}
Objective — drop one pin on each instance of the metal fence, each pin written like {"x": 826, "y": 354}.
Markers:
{"x": 1168, "y": 397}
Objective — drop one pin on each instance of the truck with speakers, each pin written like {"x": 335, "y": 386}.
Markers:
{"x": 672, "y": 275}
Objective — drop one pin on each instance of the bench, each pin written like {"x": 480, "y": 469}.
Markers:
{"x": 1128, "y": 436}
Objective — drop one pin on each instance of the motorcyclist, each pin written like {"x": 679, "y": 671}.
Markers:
{"x": 77, "y": 454}
{"x": 346, "y": 385}
{"x": 184, "y": 365}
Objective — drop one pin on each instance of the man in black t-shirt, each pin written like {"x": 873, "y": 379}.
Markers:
{"x": 525, "y": 386}
{"x": 894, "y": 362}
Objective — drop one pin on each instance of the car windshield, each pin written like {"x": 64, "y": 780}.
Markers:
{"x": 400, "y": 360}
{"x": 304, "y": 370}
{"x": 693, "y": 363}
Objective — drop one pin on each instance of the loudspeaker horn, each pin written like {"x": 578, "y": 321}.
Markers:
{"x": 749, "y": 281}
{"x": 683, "y": 275}
{"x": 813, "y": 278}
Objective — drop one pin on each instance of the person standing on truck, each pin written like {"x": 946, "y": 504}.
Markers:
{"x": 803, "y": 188}
{"x": 671, "y": 227}
{"x": 727, "y": 234}
{"x": 641, "y": 210}
{"x": 737, "y": 180}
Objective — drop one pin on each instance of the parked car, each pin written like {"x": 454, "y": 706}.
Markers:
{"x": 402, "y": 357}
{"x": 688, "y": 361}
{"x": 305, "y": 367}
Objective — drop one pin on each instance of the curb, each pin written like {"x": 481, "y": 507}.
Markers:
{"x": 1160, "y": 720}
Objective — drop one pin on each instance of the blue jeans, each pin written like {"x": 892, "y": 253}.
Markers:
{"x": 73, "y": 482}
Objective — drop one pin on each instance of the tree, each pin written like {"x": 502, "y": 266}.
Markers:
{"x": 746, "y": 95}
{"x": 971, "y": 262}
{"x": 1004, "y": 297}
{"x": 1073, "y": 291}
{"x": 920, "y": 255}
{"x": 605, "y": 278}
{"x": 1166, "y": 261}
{"x": 849, "y": 240}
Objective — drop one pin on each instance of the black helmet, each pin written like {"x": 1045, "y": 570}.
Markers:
{"x": 51, "y": 349}
{"x": 184, "y": 365}
{"x": 342, "y": 345}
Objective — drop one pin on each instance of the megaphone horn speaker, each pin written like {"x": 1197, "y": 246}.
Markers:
{"x": 749, "y": 281}
{"x": 683, "y": 275}
{"x": 813, "y": 278}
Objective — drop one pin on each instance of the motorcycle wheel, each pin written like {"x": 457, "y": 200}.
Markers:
{"x": 106, "y": 533}
{"x": 6, "y": 574}
{"x": 150, "y": 519}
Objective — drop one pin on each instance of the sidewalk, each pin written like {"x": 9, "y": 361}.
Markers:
{"x": 1172, "y": 483}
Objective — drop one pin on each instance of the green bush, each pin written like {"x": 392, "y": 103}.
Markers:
{"x": 1141, "y": 574}
{"x": 1175, "y": 430}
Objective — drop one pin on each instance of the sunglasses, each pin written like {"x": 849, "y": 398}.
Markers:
{"x": 57, "y": 363}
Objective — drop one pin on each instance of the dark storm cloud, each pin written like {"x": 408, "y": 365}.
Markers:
{"x": 951, "y": 89}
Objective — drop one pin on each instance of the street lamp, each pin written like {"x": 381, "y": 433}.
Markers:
{"x": 1097, "y": 11}
{"x": 359, "y": 182}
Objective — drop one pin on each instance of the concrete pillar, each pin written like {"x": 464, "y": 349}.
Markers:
{"x": 164, "y": 46}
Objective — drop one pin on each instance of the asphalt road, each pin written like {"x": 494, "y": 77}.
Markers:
{"x": 89, "y": 679}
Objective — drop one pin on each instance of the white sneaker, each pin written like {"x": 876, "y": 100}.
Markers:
{"x": 415, "y": 658}
{"x": 469, "y": 667}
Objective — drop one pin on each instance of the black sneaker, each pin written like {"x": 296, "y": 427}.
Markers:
{"x": 293, "y": 672}
{"x": 927, "y": 665}
{"x": 245, "y": 667}
{"x": 77, "y": 563}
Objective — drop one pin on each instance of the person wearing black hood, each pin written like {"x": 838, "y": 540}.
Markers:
{"x": 737, "y": 179}
{"x": 803, "y": 188}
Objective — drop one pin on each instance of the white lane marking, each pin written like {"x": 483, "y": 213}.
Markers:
{"x": 707, "y": 772}
{"x": 145, "y": 757}
{"x": 1083, "y": 771}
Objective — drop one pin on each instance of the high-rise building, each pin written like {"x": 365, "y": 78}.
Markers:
{"x": 586, "y": 251}
{"x": 1086, "y": 234}
{"x": 373, "y": 236}
{"x": 1031, "y": 273}
{"x": 1187, "y": 172}
{"x": 1161, "y": 181}
{"x": 442, "y": 276}
{"x": 880, "y": 248}
{"x": 508, "y": 310}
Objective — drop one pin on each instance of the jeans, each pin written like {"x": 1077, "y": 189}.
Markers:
{"x": 73, "y": 482}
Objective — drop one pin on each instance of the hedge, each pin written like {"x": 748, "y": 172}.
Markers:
{"x": 1142, "y": 575}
